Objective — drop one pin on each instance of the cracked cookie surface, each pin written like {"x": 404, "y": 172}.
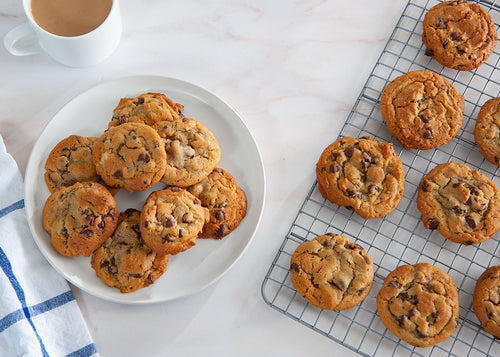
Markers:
{"x": 79, "y": 218}
{"x": 363, "y": 174}
{"x": 422, "y": 110}
{"x": 131, "y": 156}
{"x": 331, "y": 272}
{"x": 225, "y": 200}
{"x": 71, "y": 161}
{"x": 124, "y": 261}
{"x": 487, "y": 131}
{"x": 192, "y": 151}
{"x": 486, "y": 300}
{"x": 459, "y": 34}
{"x": 171, "y": 220}
{"x": 419, "y": 304}
{"x": 147, "y": 108}
{"x": 461, "y": 203}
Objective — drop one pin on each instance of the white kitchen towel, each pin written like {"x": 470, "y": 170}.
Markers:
{"x": 38, "y": 312}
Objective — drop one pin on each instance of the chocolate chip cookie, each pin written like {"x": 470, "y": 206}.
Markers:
{"x": 192, "y": 151}
{"x": 422, "y": 110}
{"x": 331, "y": 272}
{"x": 459, "y": 34}
{"x": 171, "y": 220}
{"x": 462, "y": 204}
{"x": 487, "y": 131}
{"x": 363, "y": 174}
{"x": 419, "y": 304}
{"x": 486, "y": 300}
{"x": 225, "y": 200}
{"x": 124, "y": 261}
{"x": 70, "y": 161}
{"x": 147, "y": 108}
{"x": 79, "y": 218}
{"x": 131, "y": 156}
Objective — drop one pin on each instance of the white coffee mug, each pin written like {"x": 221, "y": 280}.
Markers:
{"x": 77, "y": 51}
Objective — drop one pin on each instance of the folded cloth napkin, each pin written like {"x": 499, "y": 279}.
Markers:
{"x": 38, "y": 312}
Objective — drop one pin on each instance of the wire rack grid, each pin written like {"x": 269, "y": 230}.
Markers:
{"x": 400, "y": 237}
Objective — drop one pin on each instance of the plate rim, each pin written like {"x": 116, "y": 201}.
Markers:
{"x": 260, "y": 199}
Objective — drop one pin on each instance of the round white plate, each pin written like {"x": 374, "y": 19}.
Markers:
{"x": 187, "y": 272}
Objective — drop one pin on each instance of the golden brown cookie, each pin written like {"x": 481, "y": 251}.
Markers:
{"x": 131, "y": 156}
{"x": 363, "y": 174}
{"x": 486, "y": 300}
{"x": 124, "y": 261}
{"x": 487, "y": 131}
{"x": 459, "y": 34}
{"x": 332, "y": 273}
{"x": 422, "y": 110}
{"x": 192, "y": 151}
{"x": 419, "y": 304}
{"x": 462, "y": 204}
{"x": 171, "y": 220}
{"x": 147, "y": 108}
{"x": 71, "y": 161}
{"x": 79, "y": 218}
{"x": 225, "y": 200}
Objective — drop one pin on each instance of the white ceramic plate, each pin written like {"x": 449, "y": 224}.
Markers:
{"x": 187, "y": 272}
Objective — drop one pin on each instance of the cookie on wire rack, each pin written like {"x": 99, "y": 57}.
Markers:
{"x": 459, "y": 34}
{"x": 331, "y": 272}
{"x": 363, "y": 174}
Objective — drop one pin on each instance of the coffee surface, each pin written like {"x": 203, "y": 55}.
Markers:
{"x": 70, "y": 17}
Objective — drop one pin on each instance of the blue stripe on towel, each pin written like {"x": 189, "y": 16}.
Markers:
{"x": 7, "y": 269}
{"x": 15, "y": 206}
{"x": 35, "y": 310}
{"x": 86, "y": 351}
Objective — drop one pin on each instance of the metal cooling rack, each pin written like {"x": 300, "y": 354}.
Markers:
{"x": 400, "y": 237}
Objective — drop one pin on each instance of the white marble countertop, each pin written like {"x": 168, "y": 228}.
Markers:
{"x": 291, "y": 69}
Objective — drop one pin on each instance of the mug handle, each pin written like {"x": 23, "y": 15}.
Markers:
{"x": 18, "y": 33}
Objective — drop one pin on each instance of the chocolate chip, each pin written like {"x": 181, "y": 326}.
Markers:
{"x": 428, "y": 134}
{"x": 425, "y": 186}
{"x": 424, "y": 118}
{"x": 349, "y": 151}
{"x": 130, "y": 211}
{"x": 373, "y": 189}
{"x": 222, "y": 230}
{"x": 455, "y": 36}
{"x": 461, "y": 51}
{"x": 349, "y": 245}
{"x": 219, "y": 171}
{"x": 90, "y": 219}
{"x": 87, "y": 233}
{"x": 118, "y": 173}
{"x": 186, "y": 218}
{"x": 181, "y": 232}
{"x": 404, "y": 296}
{"x": 295, "y": 267}
{"x": 139, "y": 101}
{"x": 401, "y": 320}
{"x": 144, "y": 157}
{"x": 169, "y": 222}
{"x": 471, "y": 222}
{"x": 429, "y": 52}
{"x": 136, "y": 275}
{"x": 458, "y": 210}
{"x": 497, "y": 159}
{"x": 336, "y": 155}
{"x": 220, "y": 215}
{"x": 435, "y": 314}
{"x": 433, "y": 223}
{"x": 166, "y": 238}
{"x": 445, "y": 42}
{"x": 101, "y": 225}
{"x": 136, "y": 228}
{"x": 327, "y": 243}
{"x": 367, "y": 260}
{"x": 197, "y": 201}
{"x": 394, "y": 284}
{"x": 440, "y": 22}
{"x": 105, "y": 264}
{"x": 64, "y": 231}
{"x": 333, "y": 168}
{"x": 175, "y": 189}
{"x": 412, "y": 311}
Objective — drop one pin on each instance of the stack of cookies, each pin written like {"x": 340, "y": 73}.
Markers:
{"x": 148, "y": 141}
{"x": 422, "y": 110}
